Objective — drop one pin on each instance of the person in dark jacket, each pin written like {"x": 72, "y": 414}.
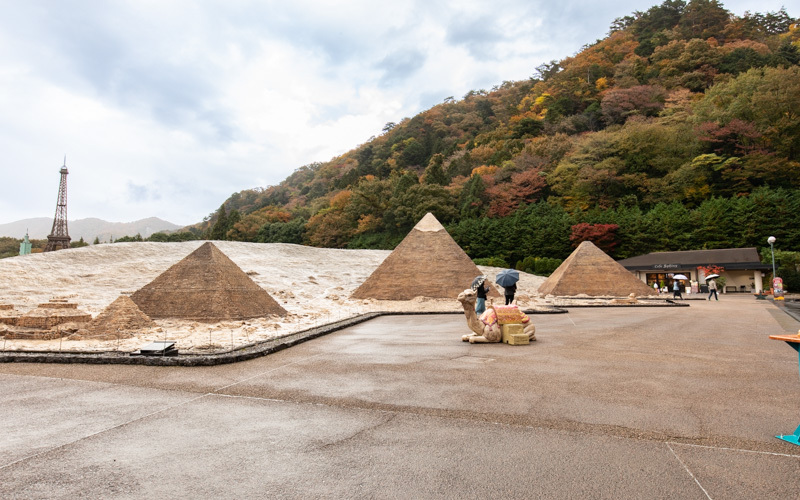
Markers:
{"x": 510, "y": 290}
{"x": 480, "y": 303}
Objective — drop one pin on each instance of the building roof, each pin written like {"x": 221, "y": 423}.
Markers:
{"x": 590, "y": 271}
{"x": 729, "y": 258}
{"x": 427, "y": 263}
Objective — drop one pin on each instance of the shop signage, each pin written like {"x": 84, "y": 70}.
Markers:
{"x": 777, "y": 288}
{"x": 665, "y": 266}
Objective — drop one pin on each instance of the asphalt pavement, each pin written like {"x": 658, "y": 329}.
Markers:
{"x": 657, "y": 402}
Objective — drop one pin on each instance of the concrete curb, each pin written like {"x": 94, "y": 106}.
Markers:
{"x": 668, "y": 304}
{"x": 241, "y": 353}
{"x": 790, "y": 307}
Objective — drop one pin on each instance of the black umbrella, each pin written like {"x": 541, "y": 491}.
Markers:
{"x": 478, "y": 282}
{"x": 507, "y": 277}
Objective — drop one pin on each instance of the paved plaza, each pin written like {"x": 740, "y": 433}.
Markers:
{"x": 644, "y": 402}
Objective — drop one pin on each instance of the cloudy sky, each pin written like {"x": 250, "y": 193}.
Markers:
{"x": 164, "y": 108}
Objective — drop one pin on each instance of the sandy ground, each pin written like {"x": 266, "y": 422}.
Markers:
{"x": 312, "y": 284}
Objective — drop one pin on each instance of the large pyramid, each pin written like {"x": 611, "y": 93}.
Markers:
{"x": 427, "y": 263}
{"x": 588, "y": 270}
{"x": 205, "y": 286}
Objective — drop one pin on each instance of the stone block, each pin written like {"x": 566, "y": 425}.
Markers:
{"x": 509, "y": 330}
{"x": 518, "y": 339}
{"x": 58, "y": 305}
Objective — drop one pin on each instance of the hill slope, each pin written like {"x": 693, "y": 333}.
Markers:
{"x": 679, "y": 130}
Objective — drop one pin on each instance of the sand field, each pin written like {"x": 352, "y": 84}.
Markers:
{"x": 313, "y": 284}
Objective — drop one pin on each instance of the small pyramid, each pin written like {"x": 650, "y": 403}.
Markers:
{"x": 121, "y": 315}
{"x": 205, "y": 286}
{"x": 590, "y": 271}
{"x": 427, "y": 263}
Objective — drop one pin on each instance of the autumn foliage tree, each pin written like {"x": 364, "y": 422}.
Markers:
{"x": 247, "y": 228}
{"x": 643, "y": 100}
{"x": 710, "y": 269}
{"x": 332, "y": 227}
{"x": 525, "y": 187}
{"x": 604, "y": 236}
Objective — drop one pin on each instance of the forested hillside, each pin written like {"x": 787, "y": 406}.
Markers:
{"x": 679, "y": 130}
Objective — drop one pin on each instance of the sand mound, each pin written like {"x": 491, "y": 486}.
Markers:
{"x": 119, "y": 320}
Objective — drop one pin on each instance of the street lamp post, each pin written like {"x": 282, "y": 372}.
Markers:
{"x": 777, "y": 283}
{"x": 771, "y": 241}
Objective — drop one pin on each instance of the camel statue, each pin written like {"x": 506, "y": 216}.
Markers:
{"x": 485, "y": 329}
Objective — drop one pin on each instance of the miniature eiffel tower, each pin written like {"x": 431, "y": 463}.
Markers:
{"x": 58, "y": 238}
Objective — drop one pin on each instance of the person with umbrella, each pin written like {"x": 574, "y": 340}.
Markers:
{"x": 507, "y": 278}
{"x": 676, "y": 286}
{"x": 481, "y": 288}
{"x": 712, "y": 286}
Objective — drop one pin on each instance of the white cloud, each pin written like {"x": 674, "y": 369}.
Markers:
{"x": 166, "y": 108}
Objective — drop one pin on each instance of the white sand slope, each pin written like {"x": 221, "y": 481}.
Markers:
{"x": 312, "y": 284}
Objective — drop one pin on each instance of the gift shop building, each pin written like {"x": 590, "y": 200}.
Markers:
{"x": 743, "y": 270}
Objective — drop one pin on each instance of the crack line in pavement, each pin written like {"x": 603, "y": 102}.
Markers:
{"x": 103, "y": 431}
{"x": 594, "y": 430}
{"x": 734, "y": 449}
{"x": 268, "y": 371}
{"x": 687, "y": 470}
{"x": 386, "y": 420}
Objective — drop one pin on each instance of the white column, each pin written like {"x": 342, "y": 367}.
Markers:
{"x": 757, "y": 279}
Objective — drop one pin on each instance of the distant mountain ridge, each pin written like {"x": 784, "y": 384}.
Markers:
{"x": 88, "y": 229}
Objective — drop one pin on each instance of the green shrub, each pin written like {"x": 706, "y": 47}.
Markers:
{"x": 163, "y": 237}
{"x": 380, "y": 241}
{"x": 540, "y": 266}
{"x": 491, "y": 261}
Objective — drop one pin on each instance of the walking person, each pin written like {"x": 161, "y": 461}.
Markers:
{"x": 480, "y": 303}
{"x": 676, "y": 290}
{"x": 508, "y": 278}
{"x": 712, "y": 289}
{"x": 510, "y": 290}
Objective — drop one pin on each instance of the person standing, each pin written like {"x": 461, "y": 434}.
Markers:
{"x": 712, "y": 290}
{"x": 480, "y": 303}
{"x": 676, "y": 290}
{"x": 655, "y": 287}
{"x": 510, "y": 290}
